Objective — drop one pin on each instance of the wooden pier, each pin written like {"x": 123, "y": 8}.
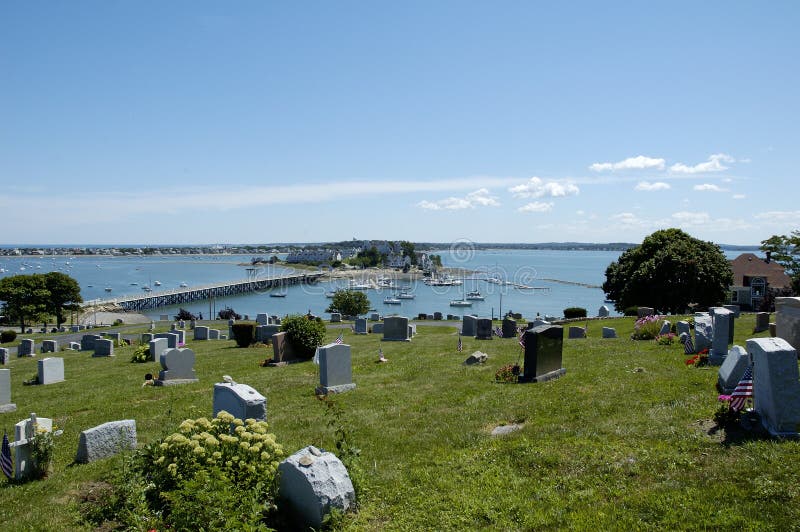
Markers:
{"x": 152, "y": 300}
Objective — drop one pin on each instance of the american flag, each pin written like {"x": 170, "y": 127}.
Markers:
{"x": 460, "y": 345}
{"x": 5, "y": 456}
{"x": 522, "y": 339}
{"x": 339, "y": 339}
{"x": 688, "y": 346}
{"x": 381, "y": 358}
{"x": 353, "y": 328}
{"x": 743, "y": 390}
{"x": 498, "y": 331}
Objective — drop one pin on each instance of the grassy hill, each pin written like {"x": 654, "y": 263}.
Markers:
{"x": 623, "y": 440}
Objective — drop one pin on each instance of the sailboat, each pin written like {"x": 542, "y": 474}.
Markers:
{"x": 461, "y": 302}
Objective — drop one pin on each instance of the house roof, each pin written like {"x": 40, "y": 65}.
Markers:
{"x": 749, "y": 265}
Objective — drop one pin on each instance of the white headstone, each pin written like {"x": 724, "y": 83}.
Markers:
{"x": 776, "y": 385}
{"x": 157, "y": 347}
{"x": 24, "y": 431}
{"x": 5, "y": 392}
{"x": 51, "y": 370}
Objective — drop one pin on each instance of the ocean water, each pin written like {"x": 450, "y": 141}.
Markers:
{"x": 561, "y": 279}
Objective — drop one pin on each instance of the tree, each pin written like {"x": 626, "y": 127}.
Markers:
{"x": 408, "y": 251}
{"x": 304, "y": 334}
{"x": 25, "y": 298}
{"x": 349, "y": 302}
{"x": 65, "y": 294}
{"x": 785, "y": 250}
{"x": 668, "y": 271}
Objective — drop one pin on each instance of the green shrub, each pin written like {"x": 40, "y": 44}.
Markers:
{"x": 574, "y": 312}
{"x": 303, "y": 334}
{"x": 244, "y": 332}
{"x": 141, "y": 354}
{"x": 118, "y": 322}
{"x": 8, "y": 336}
{"x": 647, "y": 327}
{"x": 631, "y": 311}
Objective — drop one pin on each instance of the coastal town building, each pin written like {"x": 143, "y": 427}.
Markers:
{"x": 753, "y": 277}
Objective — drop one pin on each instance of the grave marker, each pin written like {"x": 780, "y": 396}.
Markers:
{"x": 178, "y": 367}
{"x": 762, "y": 322}
{"x": 776, "y": 385}
{"x": 361, "y": 326}
{"x": 27, "y": 348}
{"x": 201, "y": 332}
{"x": 483, "y": 329}
{"x": 335, "y": 370}
{"x": 157, "y": 347}
{"x": 509, "y": 328}
{"x": 731, "y": 371}
{"x": 106, "y": 440}
{"x": 49, "y": 346}
{"x": 703, "y": 330}
{"x": 395, "y": 329}
{"x": 5, "y": 392}
{"x": 51, "y": 370}
{"x": 469, "y": 325}
{"x": 543, "y": 347}
{"x": 577, "y": 332}
{"x": 602, "y": 312}
{"x": 609, "y": 332}
{"x": 103, "y": 348}
{"x": 239, "y": 400}
{"x": 722, "y": 320}
{"x": 787, "y": 320}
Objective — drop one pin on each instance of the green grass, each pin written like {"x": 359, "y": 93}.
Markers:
{"x": 621, "y": 441}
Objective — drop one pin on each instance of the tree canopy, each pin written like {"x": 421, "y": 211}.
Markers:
{"x": 65, "y": 294}
{"x": 25, "y": 298}
{"x": 785, "y": 250}
{"x": 349, "y": 302}
{"x": 668, "y": 271}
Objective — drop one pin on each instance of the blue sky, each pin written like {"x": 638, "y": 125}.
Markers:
{"x": 216, "y": 122}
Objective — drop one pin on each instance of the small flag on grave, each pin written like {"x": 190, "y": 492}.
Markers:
{"x": 460, "y": 345}
{"x": 498, "y": 331}
{"x": 5, "y": 456}
{"x": 339, "y": 339}
{"x": 743, "y": 390}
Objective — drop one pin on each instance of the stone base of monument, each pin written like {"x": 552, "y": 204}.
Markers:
{"x": 550, "y": 375}
{"x": 340, "y": 388}
{"x": 173, "y": 382}
{"x": 272, "y": 363}
{"x": 10, "y": 407}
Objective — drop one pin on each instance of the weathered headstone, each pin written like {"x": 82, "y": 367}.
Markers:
{"x": 335, "y": 370}
{"x": 163, "y": 317}
{"x": 543, "y": 347}
{"x": 361, "y": 326}
{"x": 336, "y": 317}
{"x": 395, "y": 329}
{"x": 773, "y": 329}
{"x": 314, "y": 482}
{"x": 201, "y": 332}
{"x": 103, "y": 348}
{"x": 4, "y": 355}
{"x": 5, "y": 392}
{"x": 703, "y": 330}
{"x": 157, "y": 347}
{"x": 787, "y": 320}
{"x": 731, "y": 371}
{"x": 178, "y": 367}
{"x": 49, "y": 346}
{"x": 24, "y": 431}
{"x": 377, "y": 328}
{"x": 577, "y": 332}
{"x": 666, "y": 327}
{"x": 776, "y": 385}
{"x": 683, "y": 327}
{"x": 26, "y": 348}
{"x": 74, "y": 346}
{"x": 733, "y": 308}
{"x": 469, "y": 325}
{"x": 213, "y": 334}
{"x": 722, "y": 323}
{"x": 509, "y": 328}
{"x": 476, "y": 358}
{"x": 172, "y": 339}
{"x": 106, "y": 440}
{"x": 281, "y": 349}
{"x": 51, "y": 370}
{"x": 644, "y": 311}
{"x": 88, "y": 340}
{"x": 602, "y": 312}
{"x": 239, "y": 400}
{"x": 762, "y": 322}
{"x": 609, "y": 332}
{"x": 483, "y": 329}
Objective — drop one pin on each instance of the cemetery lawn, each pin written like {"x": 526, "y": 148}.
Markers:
{"x": 625, "y": 440}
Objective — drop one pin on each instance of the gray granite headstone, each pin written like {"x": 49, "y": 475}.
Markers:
{"x": 201, "y": 332}
{"x": 88, "y": 340}
{"x": 577, "y": 332}
{"x": 483, "y": 329}
{"x": 264, "y": 332}
{"x": 469, "y": 325}
{"x": 509, "y": 328}
{"x": 74, "y": 328}
{"x": 49, "y": 346}
{"x": 313, "y": 482}
{"x": 106, "y": 440}
{"x": 172, "y": 339}
{"x": 146, "y": 337}
{"x": 51, "y": 370}
{"x": 262, "y": 318}
{"x": 213, "y": 334}
{"x": 609, "y": 332}
{"x": 157, "y": 347}
{"x": 703, "y": 331}
{"x": 666, "y": 327}
{"x": 543, "y": 348}
{"x": 644, "y": 311}
{"x": 733, "y": 308}
{"x": 103, "y": 347}
{"x": 114, "y": 337}
{"x": 776, "y": 385}
{"x": 722, "y": 323}
{"x": 787, "y": 320}
{"x": 178, "y": 367}
{"x": 4, "y": 355}
{"x": 395, "y": 329}
{"x": 5, "y": 392}
{"x": 335, "y": 370}
{"x": 603, "y": 312}
{"x": 731, "y": 371}
{"x": 762, "y": 322}
{"x": 375, "y": 317}
{"x": 361, "y": 326}
{"x": 683, "y": 327}
{"x": 336, "y": 317}
{"x": 26, "y": 348}
{"x": 239, "y": 400}
{"x": 377, "y": 328}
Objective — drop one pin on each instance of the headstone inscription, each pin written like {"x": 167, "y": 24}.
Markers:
{"x": 335, "y": 369}
{"x": 239, "y": 400}
{"x": 543, "y": 347}
{"x": 776, "y": 385}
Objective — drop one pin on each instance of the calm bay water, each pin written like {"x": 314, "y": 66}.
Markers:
{"x": 536, "y": 268}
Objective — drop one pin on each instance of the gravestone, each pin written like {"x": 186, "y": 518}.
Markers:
{"x": 103, "y": 348}
{"x": 335, "y": 369}
{"x": 213, "y": 334}
{"x": 762, "y": 322}
{"x": 773, "y": 329}
{"x": 157, "y": 347}
{"x": 182, "y": 324}
{"x": 361, "y": 326}
{"x": 644, "y": 311}
{"x": 281, "y": 349}
{"x": 731, "y": 371}
{"x": 201, "y": 332}
{"x": 223, "y": 336}
{"x": 683, "y": 327}
{"x": 429, "y": 316}
{"x": 146, "y": 338}
{"x": 172, "y": 339}
{"x": 74, "y": 328}
{"x": 538, "y": 322}
{"x": 733, "y": 308}
{"x": 74, "y": 346}
{"x": 602, "y": 312}
{"x": 88, "y": 340}
{"x": 239, "y": 400}
{"x": 114, "y": 337}
{"x": 26, "y": 348}
{"x": 5, "y": 392}
{"x": 24, "y": 431}
{"x": 178, "y": 367}
{"x": 469, "y": 325}
{"x": 395, "y": 329}
{"x": 609, "y": 332}
{"x": 375, "y": 317}
{"x": 192, "y": 324}
{"x": 483, "y": 329}
{"x": 476, "y": 358}
{"x": 509, "y": 328}
{"x": 163, "y": 317}
{"x": 313, "y": 482}
{"x": 4, "y": 355}
{"x": 152, "y": 326}
{"x": 703, "y": 330}
{"x": 577, "y": 332}
{"x": 377, "y": 328}
{"x": 49, "y": 346}
{"x": 336, "y": 317}
{"x": 262, "y": 318}
{"x": 437, "y": 316}
{"x": 666, "y": 327}
{"x": 776, "y": 385}
{"x": 787, "y": 320}
{"x": 51, "y": 370}
{"x": 412, "y": 330}
{"x": 722, "y": 319}
{"x": 264, "y": 332}
{"x": 181, "y": 334}
{"x": 543, "y": 347}
{"x": 106, "y": 440}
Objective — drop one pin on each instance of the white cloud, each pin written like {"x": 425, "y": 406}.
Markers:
{"x": 739, "y": 196}
{"x": 478, "y": 198}
{"x": 708, "y": 187}
{"x": 580, "y": 213}
{"x": 538, "y": 188}
{"x": 650, "y": 187}
{"x": 684, "y": 218}
{"x": 714, "y": 164}
{"x": 640, "y": 162}
{"x": 792, "y": 217}
{"x": 537, "y": 206}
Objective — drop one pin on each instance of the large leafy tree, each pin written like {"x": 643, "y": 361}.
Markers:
{"x": 349, "y": 302}
{"x": 65, "y": 295}
{"x": 669, "y": 271}
{"x": 785, "y": 250}
{"x": 25, "y": 298}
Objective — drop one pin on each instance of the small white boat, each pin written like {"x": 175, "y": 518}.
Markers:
{"x": 330, "y": 294}
{"x": 108, "y": 289}
{"x": 391, "y": 301}
{"x": 405, "y": 295}
{"x": 134, "y": 284}
{"x": 460, "y": 303}
{"x": 278, "y": 294}
{"x": 157, "y": 283}
{"x": 184, "y": 285}
{"x": 474, "y": 295}
{"x": 147, "y": 289}
{"x": 355, "y": 285}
